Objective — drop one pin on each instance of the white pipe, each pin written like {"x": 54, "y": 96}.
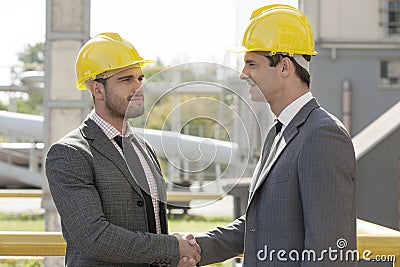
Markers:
{"x": 17, "y": 175}
{"x": 165, "y": 143}
{"x": 21, "y": 125}
{"x": 192, "y": 148}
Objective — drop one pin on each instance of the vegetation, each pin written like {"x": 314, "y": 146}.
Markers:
{"x": 32, "y": 56}
{"x": 21, "y": 222}
{"x": 177, "y": 222}
{"x": 184, "y": 223}
{"x": 32, "y": 105}
{"x": 21, "y": 263}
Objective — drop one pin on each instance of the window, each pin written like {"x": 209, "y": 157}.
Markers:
{"x": 394, "y": 17}
{"x": 390, "y": 73}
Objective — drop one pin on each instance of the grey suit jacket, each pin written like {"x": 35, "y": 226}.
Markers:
{"x": 103, "y": 213}
{"x": 304, "y": 201}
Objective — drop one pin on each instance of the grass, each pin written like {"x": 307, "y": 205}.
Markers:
{"x": 181, "y": 223}
{"x": 22, "y": 263}
{"x": 21, "y": 222}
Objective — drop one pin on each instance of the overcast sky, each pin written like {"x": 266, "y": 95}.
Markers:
{"x": 177, "y": 31}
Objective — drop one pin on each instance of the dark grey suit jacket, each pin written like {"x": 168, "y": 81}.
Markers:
{"x": 102, "y": 209}
{"x": 303, "y": 202}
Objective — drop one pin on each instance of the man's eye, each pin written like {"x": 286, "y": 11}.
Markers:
{"x": 126, "y": 79}
{"x": 141, "y": 79}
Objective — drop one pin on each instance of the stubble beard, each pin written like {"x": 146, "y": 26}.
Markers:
{"x": 122, "y": 108}
{"x": 134, "y": 111}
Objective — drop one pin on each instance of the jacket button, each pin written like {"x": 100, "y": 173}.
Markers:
{"x": 140, "y": 203}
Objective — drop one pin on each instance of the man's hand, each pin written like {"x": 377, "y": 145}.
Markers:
{"x": 185, "y": 262}
{"x": 189, "y": 251}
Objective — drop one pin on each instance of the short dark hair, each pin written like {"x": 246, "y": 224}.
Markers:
{"x": 300, "y": 71}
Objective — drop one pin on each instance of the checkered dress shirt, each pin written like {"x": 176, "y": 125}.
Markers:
{"x": 111, "y": 132}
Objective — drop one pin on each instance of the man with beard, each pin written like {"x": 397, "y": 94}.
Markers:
{"x": 105, "y": 180}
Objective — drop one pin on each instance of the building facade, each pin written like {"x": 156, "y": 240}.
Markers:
{"x": 356, "y": 74}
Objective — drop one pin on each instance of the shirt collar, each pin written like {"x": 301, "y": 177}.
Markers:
{"x": 293, "y": 108}
{"x": 109, "y": 130}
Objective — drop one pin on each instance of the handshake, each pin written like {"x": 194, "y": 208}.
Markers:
{"x": 190, "y": 251}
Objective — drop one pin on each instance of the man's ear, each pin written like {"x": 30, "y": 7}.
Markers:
{"x": 287, "y": 66}
{"x": 97, "y": 90}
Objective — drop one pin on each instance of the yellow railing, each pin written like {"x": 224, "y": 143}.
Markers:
{"x": 373, "y": 242}
{"x": 20, "y": 193}
{"x": 171, "y": 196}
{"x": 15, "y": 244}
{"x": 32, "y": 244}
{"x": 378, "y": 242}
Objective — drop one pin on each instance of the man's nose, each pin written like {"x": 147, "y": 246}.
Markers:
{"x": 243, "y": 76}
{"x": 138, "y": 90}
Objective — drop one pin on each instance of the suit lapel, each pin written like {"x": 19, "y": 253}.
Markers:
{"x": 104, "y": 146}
{"x": 287, "y": 136}
{"x": 161, "y": 188}
{"x": 153, "y": 166}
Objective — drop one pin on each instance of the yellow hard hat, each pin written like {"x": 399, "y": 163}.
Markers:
{"x": 104, "y": 52}
{"x": 278, "y": 29}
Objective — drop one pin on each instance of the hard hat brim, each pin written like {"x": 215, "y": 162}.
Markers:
{"x": 82, "y": 86}
{"x": 242, "y": 49}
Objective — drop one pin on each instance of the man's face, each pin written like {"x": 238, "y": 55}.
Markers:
{"x": 262, "y": 79}
{"x": 124, "y": 97}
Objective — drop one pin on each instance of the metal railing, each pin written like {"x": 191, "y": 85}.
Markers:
{"x": 171, "y": 196}
{"x": 374, "y": 242}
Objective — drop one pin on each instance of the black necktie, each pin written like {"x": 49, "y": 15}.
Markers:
{"x": 118, "y": 140}
{"x": 273, "y": 132}
{"x": 278, "y": 127}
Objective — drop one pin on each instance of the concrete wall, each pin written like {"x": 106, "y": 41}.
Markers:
{"x": 362, "y": 69}
{"x": 356, "y": 20}
{"x": 378, "y": 183}
{"x": 352, "y": 40}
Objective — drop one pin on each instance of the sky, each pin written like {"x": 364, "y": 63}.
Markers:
{"x": 176, "y": 31}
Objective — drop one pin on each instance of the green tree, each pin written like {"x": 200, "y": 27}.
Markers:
{"x": 3, "y": 107}
{"x": 32, "y": 58}
{"x": 32, "y": 105}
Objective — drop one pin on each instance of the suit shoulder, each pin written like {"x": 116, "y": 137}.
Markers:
{"x": 321, "y": 119}
{"x": 73, "y": 140}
